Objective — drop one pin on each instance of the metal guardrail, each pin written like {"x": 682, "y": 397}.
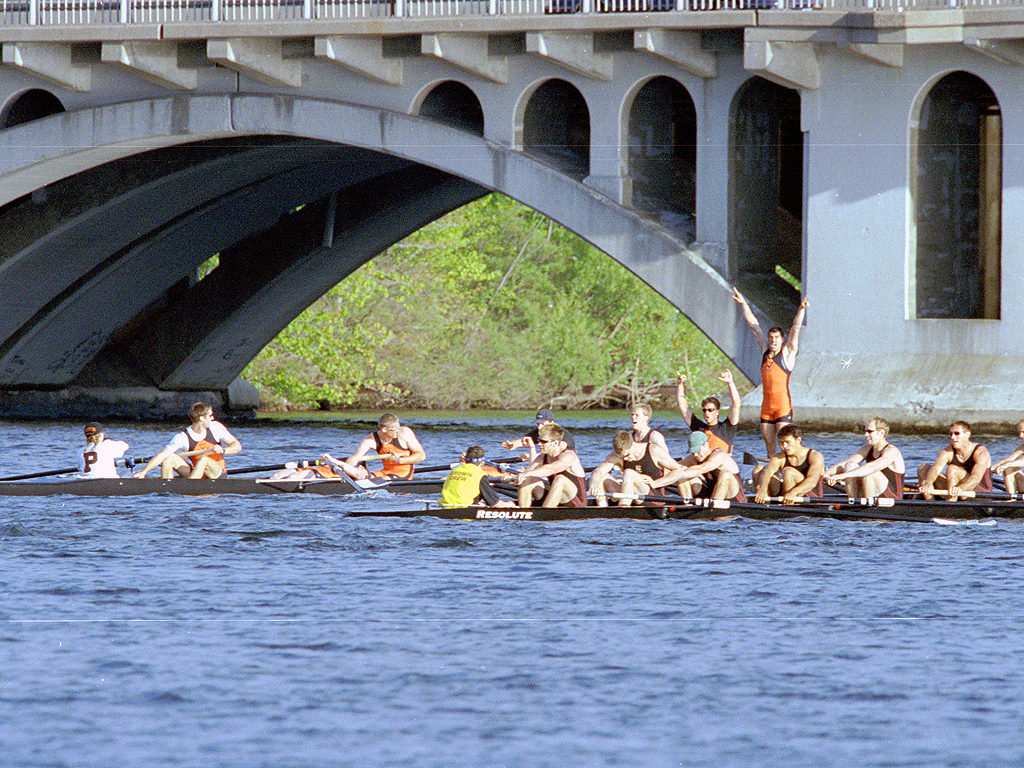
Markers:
{"x": 95, "y": 12}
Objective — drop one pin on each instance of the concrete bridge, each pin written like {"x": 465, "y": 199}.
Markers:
{"x": 869, "y": 155}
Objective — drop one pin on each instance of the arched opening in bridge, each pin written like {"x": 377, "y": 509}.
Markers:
{"x": 556, "y": 127}
{"x": 957, "y": 191}
{"x": 32, "y": 105}
{"x": 767, "y": 188}
{"x": 454, "y": 104}
{"x": 663, "y": 153}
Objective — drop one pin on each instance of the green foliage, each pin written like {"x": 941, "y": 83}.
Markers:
{"x": 490, "y": 306}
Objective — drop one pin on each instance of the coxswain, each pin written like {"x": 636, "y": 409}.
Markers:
{"x": 777, "y": 360}
{"x": 1011, "y": 467}
{"x": 641, "y": 464}
{"x": 875, "y": 470}
{"x": 794, "y": 472}
{"x": 706, "y": 473}
{"x": 529, "y": 440}
{"x": 643, "y": 432}
{"x": 469, "y": 483}
{"x": 960, "y": 466}
{"x": 204, "y": 444}
{"x": 99, "y": 453}
{"x": 397, "y": 445}
{"x": 721, "y": 434}
{"x": 555, "y": 476}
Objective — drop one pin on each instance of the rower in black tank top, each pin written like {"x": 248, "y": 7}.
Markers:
{"x": 644, "y": 465}
{"x": 893, "y": 479}
{"x": 968, "y": 466}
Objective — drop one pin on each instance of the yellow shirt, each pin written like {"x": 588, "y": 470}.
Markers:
{"x": 462, "y": 486}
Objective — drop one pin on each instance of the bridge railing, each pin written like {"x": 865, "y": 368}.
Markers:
{"x": 106, "y": 12}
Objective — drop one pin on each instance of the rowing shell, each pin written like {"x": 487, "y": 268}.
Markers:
{"x": 874, "y": 510}
{"x": 205, "y": 487}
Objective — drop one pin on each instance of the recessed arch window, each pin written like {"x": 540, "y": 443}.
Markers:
{"x": 663, "y": 152}
{"x": 454, "y": 104}
{"x": 556, "y": 127}
{"x": 956, "y": 186}
{"x": 766, "y": 180}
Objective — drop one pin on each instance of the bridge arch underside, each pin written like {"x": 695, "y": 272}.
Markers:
{"x": 100, "y": 268}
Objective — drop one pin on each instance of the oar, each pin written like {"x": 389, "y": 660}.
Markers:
{"x": 48, "y": 473}
{"x": 303, "y": 464}
{"x": 751, "y": 460}
{"x": 128, "y": 463}
{"x": 454, "y": 464}
{"x": 831, "y": 510}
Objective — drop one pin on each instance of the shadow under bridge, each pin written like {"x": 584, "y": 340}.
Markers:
{"x": 109, "y": 212}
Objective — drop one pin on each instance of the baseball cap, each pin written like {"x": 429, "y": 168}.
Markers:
{"x": 697, "y": 440}
{"x": 92, "y": 428}
{"x": 544, "y": 414}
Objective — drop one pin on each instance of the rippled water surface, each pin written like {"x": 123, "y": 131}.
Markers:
{"x": 273, "y": 631}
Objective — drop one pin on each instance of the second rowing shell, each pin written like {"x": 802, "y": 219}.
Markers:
{"x": 205, "y": 487}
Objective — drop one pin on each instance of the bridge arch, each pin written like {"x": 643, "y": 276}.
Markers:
{"x": 453, "y": 103}
{"x": 766, "y": 185}
{"x": 285, "y": 234}
{"x": 660, "y": 123}
{"x": 555, "y": 125}
{"x": 956, "y": 159}
{"x": 28, "y": 105}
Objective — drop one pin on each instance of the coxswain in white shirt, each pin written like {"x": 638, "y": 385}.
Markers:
{"x": 99, "y": 454}
{"x": 202, "y": 446}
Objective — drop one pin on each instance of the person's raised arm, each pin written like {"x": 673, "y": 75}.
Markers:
{"x": 734, "y": 396}
{"x": 748, "y": 317}
{"x": 793, "y": 342}
{"x": 681, "y": 401}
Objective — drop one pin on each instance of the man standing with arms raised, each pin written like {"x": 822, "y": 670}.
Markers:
{"x": 721, "y": 434}
{"x": 777, "y": 362}
{"x": 204, "y": 443}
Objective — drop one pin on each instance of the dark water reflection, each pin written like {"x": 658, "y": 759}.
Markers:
{"x": 241, "y": 631}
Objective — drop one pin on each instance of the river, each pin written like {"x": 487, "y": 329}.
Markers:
{"x": 273, "y": 631}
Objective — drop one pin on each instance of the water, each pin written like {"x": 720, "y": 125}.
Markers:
{"x": 273, "y": 631}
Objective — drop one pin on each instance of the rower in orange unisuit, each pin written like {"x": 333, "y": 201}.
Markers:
{"x": 875, "y": 470}
{"x": 777, "y": 362}
{"x": 398, "y": 446}
{"x": 960, "y": 466}
{"x": 209, "y": 437}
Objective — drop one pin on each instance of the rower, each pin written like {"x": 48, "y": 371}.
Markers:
{"x": 469, "y": 483}
{"x": 555, "y": 474}
{"x": 531, "y": 439}
{"x": 207, "y": 440}
{"x": 794, "y": 472}
{"x": 641, "y": 463}
{"x": 962, "y": 465}
{"x": 643, "y": 432}
{"x": 876, "y": 469}
{"x": 1011, "y": 467}
{"x": 99, "y": 452}
{"x": 398, "y": 446}
{"x": 707, "y": 473}
{"x": 777, "y": 362}
{"x": 330, "y": 468}
{"x": 721, "y": 434}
